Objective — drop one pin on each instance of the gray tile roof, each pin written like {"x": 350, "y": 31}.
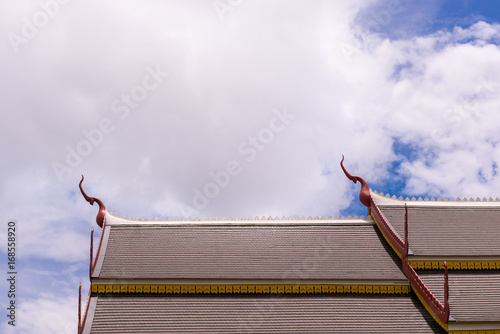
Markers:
{"x": 248, "y": 252}
{"x": 448, "y": 231}
{"x": 262, "y": 314}
{"x": 473, "y": 295}
{"x": 202, "y": 252}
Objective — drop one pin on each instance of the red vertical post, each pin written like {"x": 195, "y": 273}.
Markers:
{"x": 91, "y": 252}
{"x": 79, "y": 308}
{"x": 406, "y": 231}
{"x": 446, "y": 292}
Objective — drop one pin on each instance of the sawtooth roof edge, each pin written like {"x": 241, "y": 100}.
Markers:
{"x": 116, "y": 219}
{"x": 388, "y": 200}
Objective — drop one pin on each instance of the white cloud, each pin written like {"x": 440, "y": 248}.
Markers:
{"x": 49, "y": 314}
{"x": 480, "y": 30}
{"x": 351, "y": 92}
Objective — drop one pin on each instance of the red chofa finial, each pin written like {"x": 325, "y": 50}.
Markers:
{"x": 102, "y": 209}
{"x": 446, "y": 292}
{"x": 364, "y": 194}
{"x": 406, "y": 232}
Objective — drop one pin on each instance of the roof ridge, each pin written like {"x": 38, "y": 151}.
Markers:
{"x": 433, "y": 199}
{"x": 256, "y": 218}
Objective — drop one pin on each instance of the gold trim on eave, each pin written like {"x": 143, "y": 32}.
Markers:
{"x": 457, "y": 265}
{"x": 250, "y": 289}
{"x": 434, "y": 316}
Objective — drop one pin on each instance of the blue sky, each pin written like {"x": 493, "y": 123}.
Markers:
{"x": 464, "y": 13}
{"x": 193, "y": 109}
{"x": 417, "y": 18}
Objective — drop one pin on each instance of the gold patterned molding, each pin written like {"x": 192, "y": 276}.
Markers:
{"x": 457, "y": 265}
{"x": 250, "y": 289}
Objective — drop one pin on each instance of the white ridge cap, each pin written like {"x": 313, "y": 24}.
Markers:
{"x": 113, "y": 219}
{"x": 387, "y": 200}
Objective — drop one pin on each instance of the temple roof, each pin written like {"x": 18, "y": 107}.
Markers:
{"x": 474, "y": 295}
{"x": 261, "y": 314}
{"x": 326, "y": 249}
{"x": 446, "y": 229}
{"x": 301, "y": 275}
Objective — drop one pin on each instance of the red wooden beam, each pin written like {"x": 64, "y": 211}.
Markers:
{"x": 442, "y": 312}
{"x": 446, "y": 292}
{"x": 406, "y": 244}
{"x": 388, "y": 231}
{"x": 79, "y": 308}
{"x": 84, "y": 318}
{"x": 98, "y": 247}
{"x": 91, "y": 253}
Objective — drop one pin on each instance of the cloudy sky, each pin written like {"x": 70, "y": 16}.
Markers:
{"x": 230, "y": 108}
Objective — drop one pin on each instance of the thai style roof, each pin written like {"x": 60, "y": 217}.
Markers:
{"x": 455, "y": 231}
{"x": 279, "y": 250}
{"x": 474, "y": 295}
{"x": 118, "y": 313}
{"x": 412, "y": 266}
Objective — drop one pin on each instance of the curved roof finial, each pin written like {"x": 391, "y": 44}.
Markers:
{"x": 364, "y": 194}
{"x": 102, "y": 209}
